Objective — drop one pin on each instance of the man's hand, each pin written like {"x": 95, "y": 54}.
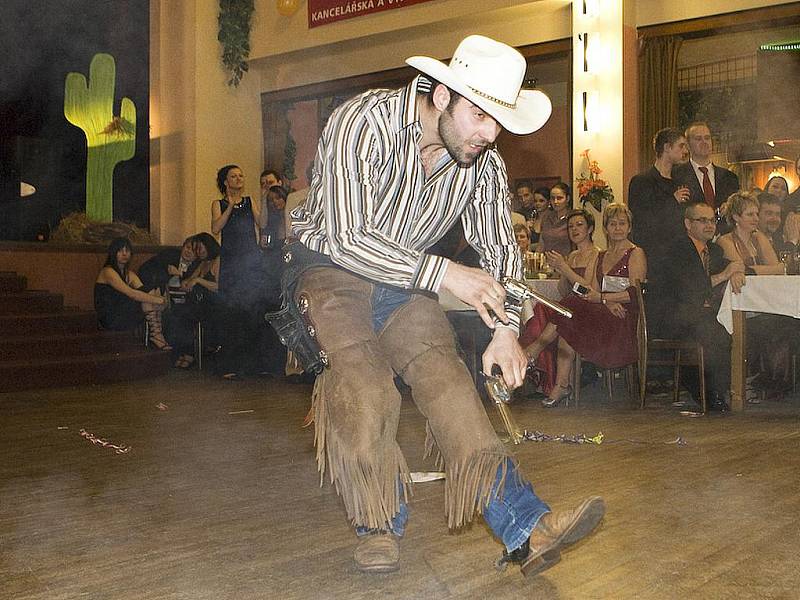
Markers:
{"x": 733, "y": 268}
{"x": 505, "y": 352}
{"x": 682, "y": 194}
{"x": 478, "y": 289}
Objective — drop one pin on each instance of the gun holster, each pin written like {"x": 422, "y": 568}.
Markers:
{"x": 292, "y": 322}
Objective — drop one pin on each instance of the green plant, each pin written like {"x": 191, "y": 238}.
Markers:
{"x": 109, "y": 139}
{"x": 234, "y": 35}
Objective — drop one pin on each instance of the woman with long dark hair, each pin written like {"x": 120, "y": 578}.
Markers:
{"x": 200, "y": 304}
{"x": 120, "y": 299}
{"x": 241, "y": 276}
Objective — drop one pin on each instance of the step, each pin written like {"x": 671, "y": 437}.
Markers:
{"x": 65, "y": 322}
{"x": 108, "y": 367}
{"x": 60, "y": 345}
{"x": 10, "y": 282}
{"x": 30, "y": 301}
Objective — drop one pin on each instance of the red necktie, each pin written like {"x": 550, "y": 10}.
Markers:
{"x": 708, "y": 189}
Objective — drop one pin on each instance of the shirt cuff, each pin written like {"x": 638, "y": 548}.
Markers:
{"x": 430, "y": 272}
{"x": 514, "y": 313}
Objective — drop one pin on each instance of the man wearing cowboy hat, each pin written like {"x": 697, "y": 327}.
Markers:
{"x": 394, "y": 171}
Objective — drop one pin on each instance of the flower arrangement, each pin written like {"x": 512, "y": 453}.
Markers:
{"x": 591, "y": 188}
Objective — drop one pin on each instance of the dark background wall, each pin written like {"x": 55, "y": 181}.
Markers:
{"x": 40, "y": 42}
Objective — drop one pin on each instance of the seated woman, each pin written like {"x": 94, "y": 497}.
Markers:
{"x": 119, "y": 299}
{"x": 745, "y": 243}
{"x": 768, "y": 335}
{"x": 603, "y": 324}
{"x": 578, "y": 268}
{"x": 200, "y": 306}
{"x": 554, "y": 234}
{"x": 156, "y": 271}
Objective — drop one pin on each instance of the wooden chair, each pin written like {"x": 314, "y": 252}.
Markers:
{"x": 683, "y": 353}
{"x": 608, "y": 379}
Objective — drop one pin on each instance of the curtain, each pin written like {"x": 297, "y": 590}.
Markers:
{"x": 276, "y": 132}
{"x": 658, "y": 91}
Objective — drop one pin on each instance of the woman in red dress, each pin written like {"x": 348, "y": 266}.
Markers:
{"x": 573, "y": 269}
{"x": 603, "y": 324}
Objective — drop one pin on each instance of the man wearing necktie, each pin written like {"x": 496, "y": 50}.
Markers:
{"x": 695, "y": 278}
{"x": 707, "y": 182}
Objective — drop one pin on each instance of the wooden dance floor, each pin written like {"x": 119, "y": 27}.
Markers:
{"x": 219, "y": 498}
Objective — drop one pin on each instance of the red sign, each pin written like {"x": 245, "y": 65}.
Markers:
{"x": 322, "y": 12}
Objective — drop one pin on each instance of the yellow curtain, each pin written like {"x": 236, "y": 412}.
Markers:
{"x": 658, "y": 91}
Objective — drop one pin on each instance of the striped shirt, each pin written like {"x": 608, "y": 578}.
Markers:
{"x": 373, "y": 210}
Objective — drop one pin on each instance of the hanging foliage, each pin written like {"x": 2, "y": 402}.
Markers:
{"x": 234, "y": 35}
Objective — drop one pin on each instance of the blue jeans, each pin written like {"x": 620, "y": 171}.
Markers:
{"x": 511, "y": 518}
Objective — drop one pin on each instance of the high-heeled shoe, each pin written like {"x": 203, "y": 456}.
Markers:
{"x": 153, "y": 320}
{"x": 564, "y": 395}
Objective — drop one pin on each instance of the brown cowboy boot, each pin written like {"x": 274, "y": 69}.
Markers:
{"x": 377, "y": 553}
{"x": 554, "y": 532}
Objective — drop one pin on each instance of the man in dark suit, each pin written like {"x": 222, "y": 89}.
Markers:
{"x": 706, "y": 181}
{"x": 656, "y": 200}
{"x": 695, "y": 278}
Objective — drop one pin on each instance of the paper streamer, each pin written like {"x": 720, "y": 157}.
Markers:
{"x": 119, "y": 449}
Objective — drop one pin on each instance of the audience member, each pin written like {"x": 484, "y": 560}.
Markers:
{"x": 655, "y": 200}
{"x": 554, "y": 235}
{"x": 768, "y": 335}
{"x": 523, "y": 237}
{"x": 541, "y": 202}
{"x": 778, "y": 187}
{"x": 198, "y": 305}
{"x": 694, "y": 279}
{"x": 119, "y": 300}
{"x": 706, "y": 181}
{"x": 524, "y": 199}
{"x": 792, "y": 203}
{"x": 157, "y": 271}
{"x": 577, "y": 268}
{"x": 745, "y": 243}
{"x": 241, "y": 275}
{"x": 604, "y": 318}
{"x": 782, "y": 237}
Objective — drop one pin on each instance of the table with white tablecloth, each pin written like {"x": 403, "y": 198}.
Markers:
{"x": 775, "y": 294}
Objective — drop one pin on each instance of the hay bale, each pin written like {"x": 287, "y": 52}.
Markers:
{"x": 76, "y": 228}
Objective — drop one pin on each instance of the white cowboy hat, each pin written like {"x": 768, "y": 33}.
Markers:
{"x": 489, "y": 74}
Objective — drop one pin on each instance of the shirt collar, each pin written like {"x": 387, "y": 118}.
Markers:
{"x": 409, "y": 109}
{"x": 699, "y": 246}
{"x": 696, "y": 166}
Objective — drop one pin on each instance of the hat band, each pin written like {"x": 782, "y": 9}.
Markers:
{"x": 493, "y": 99}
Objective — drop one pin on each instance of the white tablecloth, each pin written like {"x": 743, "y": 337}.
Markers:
{"x": 776, "y": 294}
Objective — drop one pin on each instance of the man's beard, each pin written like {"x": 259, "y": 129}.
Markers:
{"x": 453, "y": 144}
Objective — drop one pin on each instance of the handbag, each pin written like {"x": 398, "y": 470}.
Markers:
{"x": 613, "y": 283}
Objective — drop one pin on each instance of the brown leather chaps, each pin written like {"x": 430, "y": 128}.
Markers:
{"x": 357, "y": 406}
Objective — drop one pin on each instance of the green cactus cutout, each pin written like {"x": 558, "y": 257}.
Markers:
{"x": 109, "y": 139}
